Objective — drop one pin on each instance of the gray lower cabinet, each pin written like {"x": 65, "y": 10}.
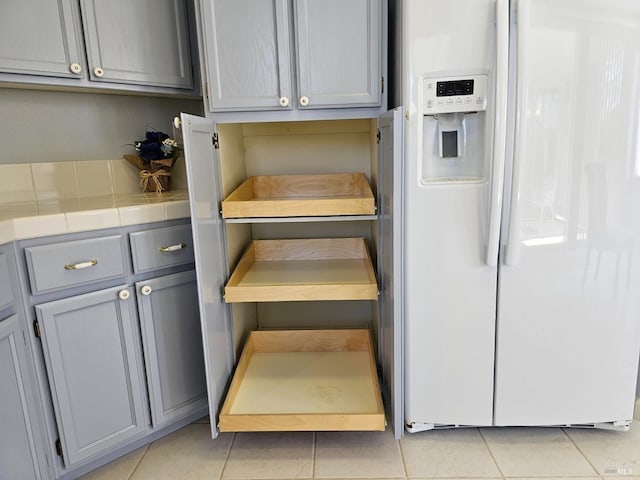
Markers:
{"x": 292, "y": 54}
{"x": 172, "y": 343}
{"x": 94, "y": 364}
{"x": 90, "y": 43}
{"x": 18, "y": 436}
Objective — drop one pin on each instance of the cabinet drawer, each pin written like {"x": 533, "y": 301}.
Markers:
{"x": 61, "y": 265}
{"x": 161, "y": 247}
{"x": 6, "y": 292}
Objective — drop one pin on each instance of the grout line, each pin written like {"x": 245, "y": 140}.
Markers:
{"x": 313, "y": 455}
{"x": 581, "y": 452}
{"x": 135, "y": 468}
{"x": 226, "y": 457}
{"x": 490, "y": 452}
{"x": 404, "y": 465}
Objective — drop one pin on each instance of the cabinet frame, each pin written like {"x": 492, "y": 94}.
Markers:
{"x": 215, "y": 254}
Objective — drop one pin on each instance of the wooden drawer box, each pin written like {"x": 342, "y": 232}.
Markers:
{"x": 303, "y": 269}
{"x": 66, "y": 264}
{"x": 161, "y": 247}
{"x": 300, "y": 195}
{"x": 304, "y": 380}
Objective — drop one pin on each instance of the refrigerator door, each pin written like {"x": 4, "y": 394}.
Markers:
{"x": 568, "y": 328}
{"x": 201, "y": 160}
{"x": 449, "y": 290}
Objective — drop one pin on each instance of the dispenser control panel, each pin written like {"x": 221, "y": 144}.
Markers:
{"x": 454, "y": 94}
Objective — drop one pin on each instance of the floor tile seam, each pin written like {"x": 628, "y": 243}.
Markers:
{"x": 402, "y": 459}
{"x": 135, "y": 468}
{"x": 493, "y": 457}
{"x": 595, "y": 470}
{"x": 313, "y": 454}
{"x": 226, "y": 457}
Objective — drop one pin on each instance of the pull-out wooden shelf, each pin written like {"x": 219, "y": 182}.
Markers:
{"x": 303, "y": 269}
{"x": 300, "y": 196}
{"x": 304, "y": 380}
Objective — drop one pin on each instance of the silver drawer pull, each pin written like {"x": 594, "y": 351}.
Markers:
{"x": 78, "y": 266}
{"x": 173, "y": 248}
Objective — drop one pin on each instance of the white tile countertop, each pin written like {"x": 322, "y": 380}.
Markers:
{"x": 28, "y": 209}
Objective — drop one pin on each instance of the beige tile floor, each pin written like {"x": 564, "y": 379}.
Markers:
{"x": 480, "y": 453}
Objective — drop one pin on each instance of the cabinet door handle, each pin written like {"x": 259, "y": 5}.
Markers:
{"x": 81, "y": 265}
{"x": 173, "y": 248}
{"x": 284, "y": 101}
{"x": 123, "y": 294}
{"x": 304, "y": 101}
{"x": 146, "y": 290}
{"x": 75, "y": 68}
{"x": 98, "y": 72}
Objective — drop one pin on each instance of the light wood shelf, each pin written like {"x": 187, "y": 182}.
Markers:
{"x": 300, "y": 196}
{"x": 303, "y": 270}
{"x": 304, "y": 380}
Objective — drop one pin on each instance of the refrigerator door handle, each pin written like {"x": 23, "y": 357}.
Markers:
{"x": 499, "y": 131}
{"x": 512, "y": 246}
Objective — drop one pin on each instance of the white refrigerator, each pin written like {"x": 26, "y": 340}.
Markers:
{"x": 521, "y": 211}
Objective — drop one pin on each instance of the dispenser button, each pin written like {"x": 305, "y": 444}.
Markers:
{"x": 440, "y": 103}
{"x": 458, "y": 101}
{"x": 429, "y": 103}
{"x": 467, "y": 100}
{"x": 450, "y": 101}
{"x": 479, "y": 100}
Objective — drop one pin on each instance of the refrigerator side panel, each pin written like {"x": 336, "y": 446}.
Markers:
{"x": 449, "y": 290}
{"x": 568, "y": 327}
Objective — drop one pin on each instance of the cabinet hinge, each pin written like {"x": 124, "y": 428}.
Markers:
{"x": 36, "y": 328}
{"x": 59, "y": 447}
{"x": 378, "y": 136}
{"x": 214, "y": 141}
{"x": 382, "y": 85}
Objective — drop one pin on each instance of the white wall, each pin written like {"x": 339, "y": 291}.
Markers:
{"x": 44, "y": 126}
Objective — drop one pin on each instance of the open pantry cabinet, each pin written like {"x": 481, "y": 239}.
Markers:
{"x": 289, "y": 282}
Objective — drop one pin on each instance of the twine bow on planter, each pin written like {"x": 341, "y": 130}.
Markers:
{"x": 158, "y": 182}
{"x": 155, "y": 176}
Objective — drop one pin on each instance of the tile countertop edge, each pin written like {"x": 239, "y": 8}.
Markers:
{"x": 21, "y": 228}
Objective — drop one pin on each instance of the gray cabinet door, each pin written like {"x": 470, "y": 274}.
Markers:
{"x": 93, "y": 358}
{"x": 144, "y": 42}
{"x": 208, "y": 243}
{"x": 172, "y": 342}
{"x": 338, "y": 47}
{"x": 247, "y": 54}
{"x": 18, "y": 438}
{"x": 41, "y": 38}
{"x": 389, "y": 258}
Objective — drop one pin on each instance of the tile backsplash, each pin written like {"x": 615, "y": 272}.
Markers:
{"x": 81, "y": 179}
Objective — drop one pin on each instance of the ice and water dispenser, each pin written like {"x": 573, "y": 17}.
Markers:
{"x": 454, "y": 129}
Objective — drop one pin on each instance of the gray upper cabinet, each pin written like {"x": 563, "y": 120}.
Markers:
{"x": 292, "y": 54}
{"x": 140, "y": 45}
{"x": 248, "y": 54}
{"x": 172, "y": 341}
{"x": 338, "y": 53}
{"x": 41, "y": 38}
{"x": 144, "y": 42}
{"x": 92, "y": 352}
